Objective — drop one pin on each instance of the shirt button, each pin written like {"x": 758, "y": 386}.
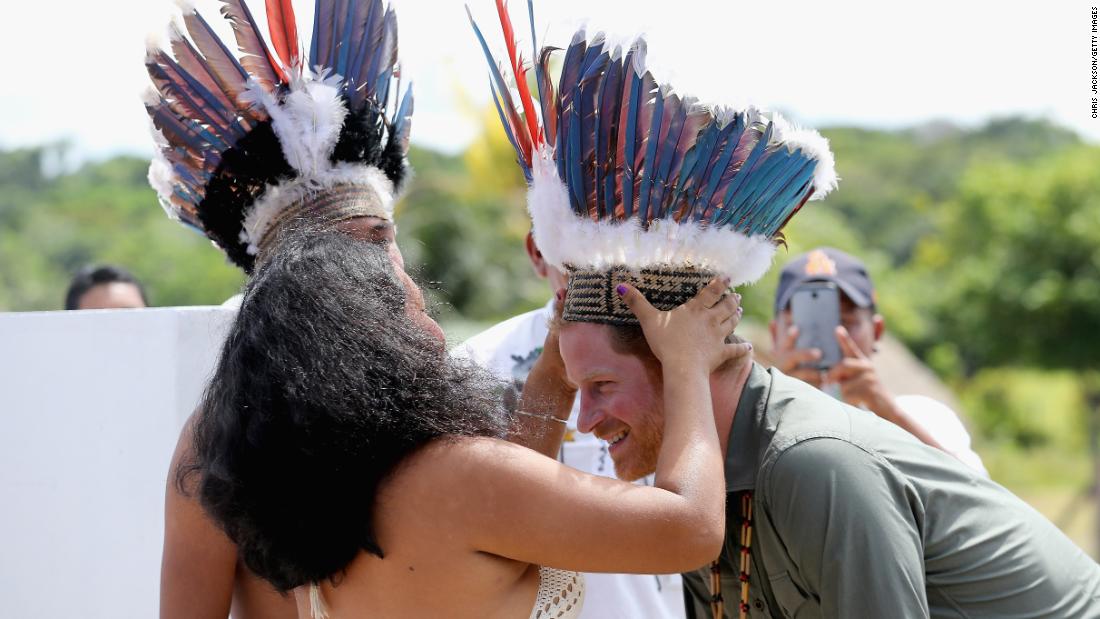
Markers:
{"x": 758, "y": 604}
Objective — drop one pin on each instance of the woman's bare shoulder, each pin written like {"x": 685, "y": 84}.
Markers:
{"x": 464, "y": 460}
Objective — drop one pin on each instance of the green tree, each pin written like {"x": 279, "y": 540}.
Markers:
{"x": 1016, "y": 264}
{"x": 102, "y": 212}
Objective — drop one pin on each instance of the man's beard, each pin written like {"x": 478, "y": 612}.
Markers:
{"x": 645, "y": 447}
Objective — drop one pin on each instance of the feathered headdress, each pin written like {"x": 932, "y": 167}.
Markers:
{"x": 629, "y": 181}
{"x": 247, "y": 142}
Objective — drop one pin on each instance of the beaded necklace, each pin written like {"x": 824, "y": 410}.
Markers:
{"x": 717, "y": 604}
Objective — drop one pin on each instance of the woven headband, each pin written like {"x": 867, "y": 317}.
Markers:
{"x": 329, "y": 206}
{"x": 591, "y": 296}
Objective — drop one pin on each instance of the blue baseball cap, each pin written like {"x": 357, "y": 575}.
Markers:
{"x": 826, "y": 264}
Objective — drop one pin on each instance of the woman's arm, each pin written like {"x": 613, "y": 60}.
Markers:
{"x": 547, "y": 400}
{"x": 199, "y": 562}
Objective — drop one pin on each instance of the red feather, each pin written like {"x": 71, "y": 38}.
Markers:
{"x": 515, "y": 123}
{"x": 284, "y": 31}
{"x": 257, "y": 58}
{"x": 521, "y": 77}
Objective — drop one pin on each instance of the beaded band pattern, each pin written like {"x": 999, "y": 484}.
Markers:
{"x": 717, "y": 602}
{"x": 591, "y": 296}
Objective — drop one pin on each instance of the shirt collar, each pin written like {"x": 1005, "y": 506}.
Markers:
{"x": 743, "y": 447}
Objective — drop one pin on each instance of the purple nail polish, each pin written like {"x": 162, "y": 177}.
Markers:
{"x": 621, "y": 289}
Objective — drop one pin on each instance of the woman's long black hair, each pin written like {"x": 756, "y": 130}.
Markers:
{"x": 323, "y": 386}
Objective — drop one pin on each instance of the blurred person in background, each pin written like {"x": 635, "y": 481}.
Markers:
{"x": 105, "y": 287}
{"x": 854, "y": 377}
{"x": 509, "y": 350}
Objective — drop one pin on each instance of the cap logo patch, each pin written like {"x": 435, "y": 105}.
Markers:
{"x": 819, "y": 263}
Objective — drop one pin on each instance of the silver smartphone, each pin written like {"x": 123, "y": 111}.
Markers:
{"x": 815, "y": 310}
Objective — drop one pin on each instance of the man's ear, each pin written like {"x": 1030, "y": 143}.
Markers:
{"x": 535, "y": 256}
{"x": 879, "y": 324}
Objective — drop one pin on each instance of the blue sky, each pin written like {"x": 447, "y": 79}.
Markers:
{"x": 75, "y": 67}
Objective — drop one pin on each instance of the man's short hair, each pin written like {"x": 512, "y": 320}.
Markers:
{"x": 95, "y": 275}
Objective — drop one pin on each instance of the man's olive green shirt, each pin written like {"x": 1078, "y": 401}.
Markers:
{"x": 853, "y": 517}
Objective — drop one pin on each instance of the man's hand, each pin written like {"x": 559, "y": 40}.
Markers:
{"x": 789, "y": 359}
{"x": 859, "y": 382}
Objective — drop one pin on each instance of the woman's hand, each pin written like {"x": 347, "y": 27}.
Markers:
{"x": 693, "y": 335}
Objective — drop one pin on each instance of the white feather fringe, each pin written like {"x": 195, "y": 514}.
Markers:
{"x": 815, "y": 146}
{"x": 565, "y": 239}
{"x": 161, "y": 176}
{"x": 307, "y": 122}
{"x": 277, "y": 197}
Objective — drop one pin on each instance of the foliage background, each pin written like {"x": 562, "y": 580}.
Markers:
{"x": 984, "y": 243}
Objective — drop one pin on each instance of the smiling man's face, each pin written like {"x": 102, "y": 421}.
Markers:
{"x": 621, "y": 397}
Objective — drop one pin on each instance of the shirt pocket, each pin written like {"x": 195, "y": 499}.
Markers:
{"x": 789, "y": 598}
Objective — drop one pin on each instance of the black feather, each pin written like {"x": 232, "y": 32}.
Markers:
{"x": 256, "y": 161}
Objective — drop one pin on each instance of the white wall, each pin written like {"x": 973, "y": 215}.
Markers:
{"x": 91, "y": 405}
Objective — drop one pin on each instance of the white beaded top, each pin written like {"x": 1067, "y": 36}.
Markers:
{"x": 560, "y": 596}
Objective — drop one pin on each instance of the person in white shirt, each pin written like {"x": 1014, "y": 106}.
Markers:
{"x": 854, "y": 378}
{"x": 509, "y": 349}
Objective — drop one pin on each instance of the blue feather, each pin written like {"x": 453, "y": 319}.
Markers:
{"x": 611, "y": 97}
{"x": 534, "y": 61}
{"x": 694, "y": 165}
{"x": 666, "y": 154}
{"x": 601, "y": 122}
{"x": 782, "y": 193}
{"x": 375, "y": 74}
{"x": 745, "y": 172}
{"x": 494, "y": 71}
{"x": 588, "y": 111}
{"x": 401, "y": 124}
{"x": 559, "y": 149}
{"x": 574, "y": 152}
{"x": 347, "y": 24}
{"x": 173, "y": 88}
{"x": 501, "y": 89}
{"x": 313, "y": 44}
{"x": 764, "y": 180}
{"x": 191, "y": 130}
{"x": 228, "y": 116}
{"x": 595, "y": 48}
{"x": 355, "y": 82}
{"x": 384, "y": 72}
{"x": 794, "y": 196}
{"x": 631, "y": 137}
{"x": 728, "y": 139}
{"x": 571, "y": 69}
{"x": 649, "y": 166}
{"x": 508, "y": 132}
